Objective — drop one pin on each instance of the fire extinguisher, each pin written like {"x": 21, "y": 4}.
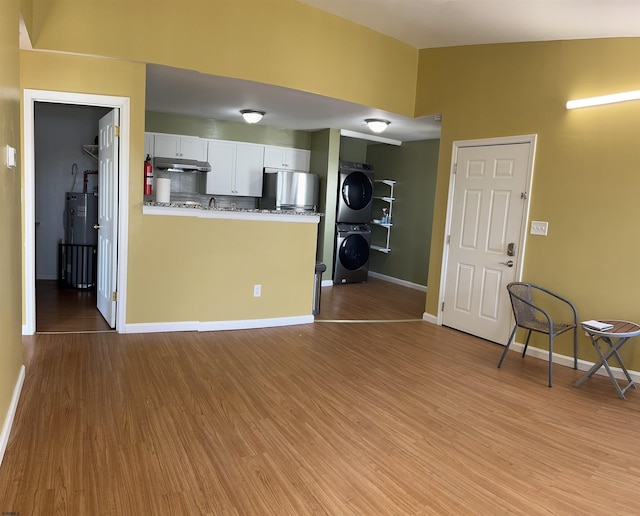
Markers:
{"x": 148, "y": 176}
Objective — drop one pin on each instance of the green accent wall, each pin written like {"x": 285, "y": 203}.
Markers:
{"x": 324, "y": 162}
{"x": 353, "y": 149}
{"x": 413, "y": 166}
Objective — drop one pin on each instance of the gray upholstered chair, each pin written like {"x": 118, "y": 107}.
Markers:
{"x": 530, "y": 304}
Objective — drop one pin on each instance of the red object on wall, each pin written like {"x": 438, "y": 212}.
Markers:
{"x": 148, "y": 176}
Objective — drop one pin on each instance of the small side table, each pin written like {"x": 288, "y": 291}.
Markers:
{"x": 614, "y": 338}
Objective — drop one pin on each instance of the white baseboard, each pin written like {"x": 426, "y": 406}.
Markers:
{"x": 397, "y": 281}
{"x": 433, "y": 319}
{"x": 583, "y": 365}
{"x": 326, "y": 283}
{"x": 243, "y": 324}
{"x": 250, "y": 324}
{"x": 161, "y": 327}
{"x": 564, "y": 360}
{"x": 8, "y": 420}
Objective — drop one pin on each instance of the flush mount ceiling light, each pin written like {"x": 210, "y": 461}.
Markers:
{"x": 251, "y": 116}
{"x": 604, "y": 99}
{"x": 377, "y": 125}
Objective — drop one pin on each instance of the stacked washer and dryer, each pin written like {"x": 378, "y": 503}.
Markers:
{"x": 353, "y": 232}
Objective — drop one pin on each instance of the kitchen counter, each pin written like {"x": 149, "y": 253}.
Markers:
{"x": 188, "y": 209}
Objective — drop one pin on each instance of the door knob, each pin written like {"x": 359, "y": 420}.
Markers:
{"x": 508, "y": 264}
{"x": 96, "y": 226}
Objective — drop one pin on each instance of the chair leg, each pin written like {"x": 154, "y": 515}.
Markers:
{"x": 506, "y": 348}
{"x": 575, "y": 348}
{"x": 526, "y": 344}
{"x": 550, "y": 358}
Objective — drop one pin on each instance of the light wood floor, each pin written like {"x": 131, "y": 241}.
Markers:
{"x": 380, "y": 418}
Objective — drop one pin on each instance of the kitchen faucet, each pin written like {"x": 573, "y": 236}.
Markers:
{"x": 214, "y": 202}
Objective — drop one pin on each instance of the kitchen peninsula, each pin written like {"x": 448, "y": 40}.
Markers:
{"x": 222, "y": 268}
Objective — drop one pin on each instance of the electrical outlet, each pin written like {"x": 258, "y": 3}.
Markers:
{"x": 539, "y": 228}
{"x": 257, "y": 290}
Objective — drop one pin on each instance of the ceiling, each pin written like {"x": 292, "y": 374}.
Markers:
{"x": 449, "y": 23}
{"x": 419, "y": 23}
{"x": 177, "y": 91}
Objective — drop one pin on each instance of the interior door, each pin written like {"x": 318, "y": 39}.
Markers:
{"x": 486, "y": 237}
{"x": 107, "y": 216}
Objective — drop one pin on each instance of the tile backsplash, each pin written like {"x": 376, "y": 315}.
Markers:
{"x": 188, "y": 187}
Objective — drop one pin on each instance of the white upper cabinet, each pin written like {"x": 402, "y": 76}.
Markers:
{"x": 222, "y": 158}
{"x": 249, "y": 169}
{"x": 236, "y": 169}
{"x": 183, "y": 147}
{"x": 287, "y": 158}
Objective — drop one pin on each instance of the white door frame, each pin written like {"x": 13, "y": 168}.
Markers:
{"x": 123, "y": 104}
{"x": 531, "y": 139}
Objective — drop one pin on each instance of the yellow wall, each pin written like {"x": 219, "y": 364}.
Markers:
{"x": 585, "y": 177}
{"x": 185, "y": 269}
{"x": 10, "y": 226}
{"x": 587, "y": 167}
{"x": 205, "y": 270}
{"x": 281, "y": 42}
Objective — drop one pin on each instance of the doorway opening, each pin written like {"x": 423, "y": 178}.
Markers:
{"x": 74, "y": 307}
{"x": 66, "y": 202}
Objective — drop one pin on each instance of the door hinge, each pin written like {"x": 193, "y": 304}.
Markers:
{"x": 448, "y": 239}
{"x": 455, "y": 168}
{"x": 524, "y": 196}
{"x": 442, "y": 307}
{"x": 116, "y": 131}
{"x": 114, "y": 296}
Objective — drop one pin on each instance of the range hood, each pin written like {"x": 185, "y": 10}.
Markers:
{"x": 181, "y": 165}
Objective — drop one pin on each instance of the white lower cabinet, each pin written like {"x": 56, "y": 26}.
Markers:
{"x": 287, "y": 158}
{"x": 236, "y": 169}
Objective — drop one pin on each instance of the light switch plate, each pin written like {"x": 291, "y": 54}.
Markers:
{"x": 539, "y": 228}
{"x": 11, "y": 156}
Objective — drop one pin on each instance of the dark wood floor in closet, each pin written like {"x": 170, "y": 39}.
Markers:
{"x": 66, "y": 310}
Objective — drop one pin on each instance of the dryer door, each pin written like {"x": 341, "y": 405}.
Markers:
{"x": 354, "y": 252}
{"x": 357, "y": 191}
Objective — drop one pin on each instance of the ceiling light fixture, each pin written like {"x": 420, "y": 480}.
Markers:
{"x": 251, "y": 116}
{"x": 604, "y": 99}
{"x": 377, "y": 125}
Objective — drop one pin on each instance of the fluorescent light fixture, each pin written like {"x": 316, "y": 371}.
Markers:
{"x": 377, "y": 125}
{"x": 604, "y": 99}
{"x": 251, "y": 116}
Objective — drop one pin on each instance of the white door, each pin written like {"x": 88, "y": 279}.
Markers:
{"x": 107, "y": 216}
{"x": 486, "y": 236}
